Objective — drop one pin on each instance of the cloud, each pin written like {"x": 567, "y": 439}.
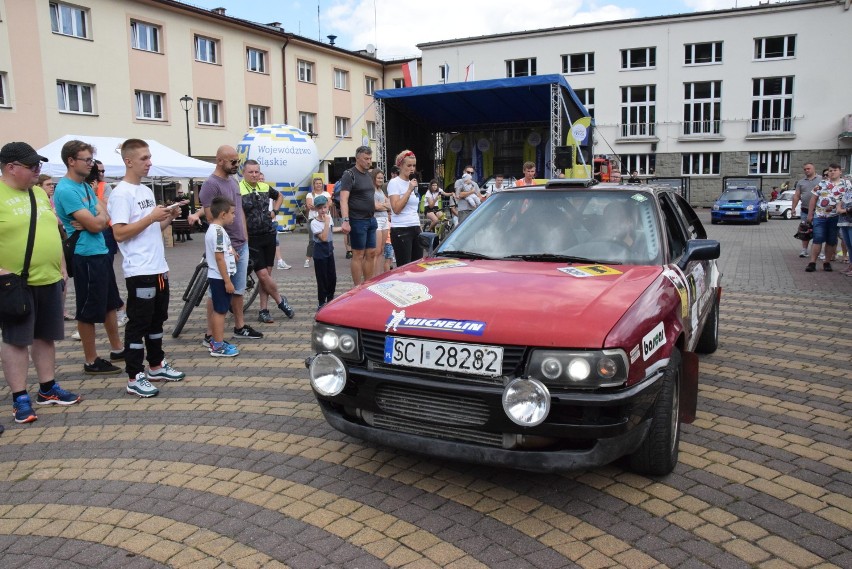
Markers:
{"x": 396, "y": 28}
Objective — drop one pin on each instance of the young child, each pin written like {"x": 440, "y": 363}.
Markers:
{"x": 221, "y": 264}
{"x": 388, "y": 252}
{"x": 324, "y": 269}
{"x": 467, "y": 185}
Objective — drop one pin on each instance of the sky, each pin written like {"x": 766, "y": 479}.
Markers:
{"x": 395, "y": 28}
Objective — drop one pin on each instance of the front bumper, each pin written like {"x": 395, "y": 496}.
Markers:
{"x": 735, "y": 215}
{"x": 466, "y": 421}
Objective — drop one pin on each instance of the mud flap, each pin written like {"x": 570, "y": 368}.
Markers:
{"x": 689, "y": 387}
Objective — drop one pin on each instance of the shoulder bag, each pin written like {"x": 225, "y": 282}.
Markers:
{"x": 15, "y": 301}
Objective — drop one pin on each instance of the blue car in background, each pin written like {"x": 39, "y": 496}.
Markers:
{"x": 740, "y": 204}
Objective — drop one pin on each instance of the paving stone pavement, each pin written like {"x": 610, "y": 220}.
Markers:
{"x": 235, "y": 466}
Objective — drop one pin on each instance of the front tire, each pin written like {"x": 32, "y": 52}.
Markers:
{"x": 788, "y": 214}
{"x": 658, "y": 453}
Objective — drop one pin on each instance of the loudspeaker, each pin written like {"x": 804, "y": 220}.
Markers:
{"x": 564, "y": 158}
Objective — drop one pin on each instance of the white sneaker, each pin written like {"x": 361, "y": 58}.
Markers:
{"x": 822, "y": 256}
{"x": 804, "y": 253}
{"x": 76, "y": 336}
{"x": 141, "y": 387}
{"x": 307, "y": 264}
{"x": 282, "y": 265}
{"x": 166, "y": 372}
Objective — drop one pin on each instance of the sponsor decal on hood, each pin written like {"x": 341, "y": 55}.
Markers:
{"x": 399, "y": 321}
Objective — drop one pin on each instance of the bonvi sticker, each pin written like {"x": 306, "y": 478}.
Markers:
{"x": 653, "y": 340}
{"x": 401, "y": 294}
{"x": 589, "y": 271}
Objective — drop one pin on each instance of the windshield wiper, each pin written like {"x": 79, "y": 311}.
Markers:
{"x": 462, "y": 255}
{"x": 550, "y": 257}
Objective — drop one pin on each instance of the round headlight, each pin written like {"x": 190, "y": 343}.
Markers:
{"x": 526, "y": 402}
{"x": 347, "y": 344}
{"x": 579, "y": 369}
{"x": 551, "y": 368}
{"x": 328, "y": 375}
{"x": 330, "y": 340}
{"x": 749, "y": 208}
{"x": 607, "y": 367}
{"x": 715, "y": 207}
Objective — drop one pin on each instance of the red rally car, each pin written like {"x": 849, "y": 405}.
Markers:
{"x": 557, "y": 328}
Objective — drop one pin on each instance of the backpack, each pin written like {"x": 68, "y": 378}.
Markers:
{"x": 338, "y": 183}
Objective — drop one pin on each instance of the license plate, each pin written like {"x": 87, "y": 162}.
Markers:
{"x": 734, "y": 213}
{"x": 444, "y": 356}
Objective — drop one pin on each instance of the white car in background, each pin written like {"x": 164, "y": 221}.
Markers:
{"x": 783, "y": 206}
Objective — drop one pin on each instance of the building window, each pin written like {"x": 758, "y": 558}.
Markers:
{"x": 69, "y": 20}
{"x": 370, "y": 85}
{"x": 770, "y": 162}
{"x": 371, "y": 130}
{"x": 639, "y": 58}
{"x": 520, "y": 67}
{"x": 306, "y": 71}
{"x": 638, "y": 111}
{"x": 772, "y": 105}
{"x": 208, "y": 112}
{"x": 587, "y": 97}
{"x": 398, "y": 83}
{"x": 257, "y": 115}
{"x": 341, "y": 127}
{"x": 701, "y": 164}
{"x": 341, "y": 79}
{"x": 308, "y": 122}
{"x": 206, "y": 50}
{"x": 777, "y": 47}
{"x": 4, "y": 90}
{"x": 256, "y": 60}
{"x": 149, "y": 106}
{"x": 702, "y": 104}
{"x": 578, "y": 63}
{"x": 144, "y": 36}
{"x": 644, "y": 164}
{"x": 701, "y": 53}
{"x": 75, "y": 97}
{"x": 444, "y": 73}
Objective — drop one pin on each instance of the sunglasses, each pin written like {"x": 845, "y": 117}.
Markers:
{"x": 235, "y": 162}
{"x": 35, "y": 168}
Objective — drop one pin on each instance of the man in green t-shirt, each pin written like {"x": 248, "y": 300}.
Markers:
{"x": 33, "y": 336}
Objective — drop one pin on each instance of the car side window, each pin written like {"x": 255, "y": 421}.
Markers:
{"x": 694, "y": 227}
{"x": 674, "y": 231}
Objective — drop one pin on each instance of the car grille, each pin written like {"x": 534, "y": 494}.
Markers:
{"x": 430, "y": 406}
{"x": 374, "y": 348}
{"x": 411, "y": 427}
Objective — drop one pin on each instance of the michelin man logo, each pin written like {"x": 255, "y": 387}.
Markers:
{"x": 395, "y": 319}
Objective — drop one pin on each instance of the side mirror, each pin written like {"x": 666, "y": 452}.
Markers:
{"x": 699, "y": 250}
{"x": 429, "y": 242}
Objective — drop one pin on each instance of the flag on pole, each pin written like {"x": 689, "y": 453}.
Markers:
{"x": 409, "y": 73}
{"x": 365, "y": 137}
{"x": 469, "y": 73}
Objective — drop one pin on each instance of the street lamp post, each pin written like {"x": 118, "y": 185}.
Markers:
{"x": 186, "y": 105}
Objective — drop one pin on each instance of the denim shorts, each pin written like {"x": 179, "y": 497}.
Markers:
{"x": 388, "y": 251}
{"x": 221, "y": 298}
{"x": 239, "y": 279}
{"x": 362, "y": 234}
{"x": 825, "y": 230}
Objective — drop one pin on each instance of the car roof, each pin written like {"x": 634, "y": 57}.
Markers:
{"x": 568, "y": 184}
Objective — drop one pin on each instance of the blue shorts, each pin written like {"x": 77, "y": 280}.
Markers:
{"x": 97, "y": 291}
{"x": 388, "y": 251}
{"x": 221, "y": 298}
{"x": 239, "y": 279}
{"x": 362, "y": 234}
{"x": 825, "y": 231}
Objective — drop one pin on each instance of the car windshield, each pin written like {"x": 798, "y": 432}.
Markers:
{"x": 738, "y": 195}
{"x": 577, "y": 225}
{"x": 788, "y": 196}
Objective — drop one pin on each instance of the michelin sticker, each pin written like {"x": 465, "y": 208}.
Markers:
{"x": 400, "y": 293}
{"x": 441, "y": 264}
{"x": 653, "y": 340}
{"x": 589, "y": 271}
{"x": 398, "y": 320}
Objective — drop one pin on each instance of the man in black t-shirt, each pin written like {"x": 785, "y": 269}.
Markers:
{"x": 358, "y": 206}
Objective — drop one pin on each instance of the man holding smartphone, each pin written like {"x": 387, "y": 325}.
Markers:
{"x": 138, "y": 224}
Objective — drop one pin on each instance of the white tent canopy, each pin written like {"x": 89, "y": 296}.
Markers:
{"x": 166, "y": 162}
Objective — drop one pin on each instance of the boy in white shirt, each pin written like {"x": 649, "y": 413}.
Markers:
{"x": 138, "y": 223}
{"x": 221, "y": 265}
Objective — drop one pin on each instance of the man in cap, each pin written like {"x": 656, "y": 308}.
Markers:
{"x": 33, "y": 336}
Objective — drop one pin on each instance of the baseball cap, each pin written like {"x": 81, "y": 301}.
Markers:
{"x": 320, "y": 200}
{"x": 20, "y": 152}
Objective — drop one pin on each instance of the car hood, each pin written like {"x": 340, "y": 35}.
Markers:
{"x": 781, "y": 202}
{"x": 495, "y": 302}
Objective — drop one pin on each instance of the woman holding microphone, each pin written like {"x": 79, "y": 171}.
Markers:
{"x": 404, "y": 200}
